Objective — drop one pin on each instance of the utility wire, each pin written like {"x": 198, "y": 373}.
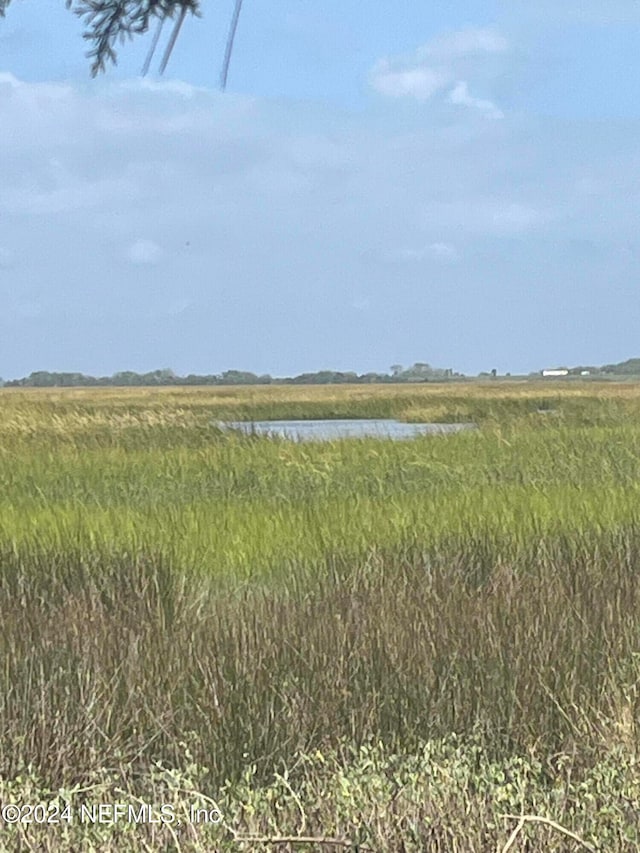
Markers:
{"x": 233, "y": 27}
{"x": 229, "y": 48}
{"x": 172, "y": 40}
{"x": 152, "y": 49}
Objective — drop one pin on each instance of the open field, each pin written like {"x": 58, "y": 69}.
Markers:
{"x": 394, "y": 644}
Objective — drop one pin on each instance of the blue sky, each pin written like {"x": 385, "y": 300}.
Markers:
{"x": 457, "y": 183}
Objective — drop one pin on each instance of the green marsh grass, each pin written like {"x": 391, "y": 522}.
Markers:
{"x": 417, "y": 637}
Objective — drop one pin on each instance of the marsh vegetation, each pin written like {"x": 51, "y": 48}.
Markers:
{"x": 392, "y": 644}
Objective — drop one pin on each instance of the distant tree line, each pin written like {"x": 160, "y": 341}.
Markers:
{"x": 630, "y": 367}
{"x": 420, "y": 372}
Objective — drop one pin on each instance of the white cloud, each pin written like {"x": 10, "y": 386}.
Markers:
{"x": 30, "y": 94}
{"x": 437, "y": 251}
{"x": 7, "y": 259}
{"x": 439, "y": 63}
{"x": 28, "y": 310}
{"x": 174, "y": 306}
{"x": 591, "y": 186}
{"x": 461, "y": 97}
{"x": 514, "y": 218}
{"x": 419, "y": 83}
{"x": 445, "y": 251}
{"x": 166, "y": 87}
{"x": 64, "y": 196}
{"x": 477, "y": 215}
{"x": 474, "y": 40}
{"x": 144, "y": 252}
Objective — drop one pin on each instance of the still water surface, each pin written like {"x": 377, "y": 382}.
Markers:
{"x": 327, "y": 430}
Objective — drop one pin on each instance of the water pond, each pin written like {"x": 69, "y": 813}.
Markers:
{"x": 328, "y": 430}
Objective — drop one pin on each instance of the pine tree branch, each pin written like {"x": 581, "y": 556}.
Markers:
{"x": 112, "y": 21}
{"x": 108, "y": 22}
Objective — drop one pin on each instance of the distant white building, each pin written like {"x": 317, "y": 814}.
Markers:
{"x": 559, "y": 372}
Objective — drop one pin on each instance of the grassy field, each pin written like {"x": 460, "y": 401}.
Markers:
{"x": 391, "y": 646}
